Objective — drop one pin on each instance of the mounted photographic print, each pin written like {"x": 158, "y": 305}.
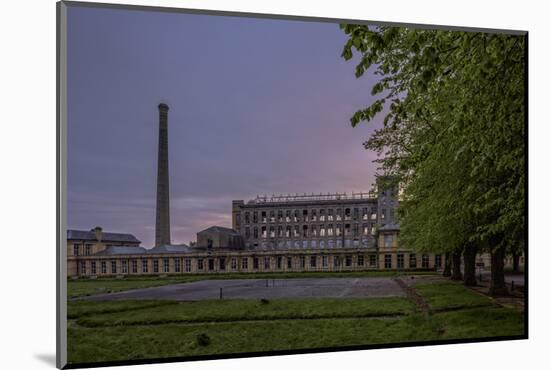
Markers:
{"x": 235, "y": 185}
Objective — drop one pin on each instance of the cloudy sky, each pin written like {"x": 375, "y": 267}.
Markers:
{"x": 257, "y": 106}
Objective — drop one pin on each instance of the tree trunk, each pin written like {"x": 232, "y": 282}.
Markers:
{"x": 515, "y": 262}
{"x": 470, "y": 252}
{"x": 447, "y": 268}
{"x": 456, "y": 273}
{"x": 498, "y": 286}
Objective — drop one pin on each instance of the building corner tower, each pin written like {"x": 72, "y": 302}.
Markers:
{"x": 162, "y": 227}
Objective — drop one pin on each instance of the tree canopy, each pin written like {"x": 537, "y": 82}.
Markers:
{"x": 453, "y": 132}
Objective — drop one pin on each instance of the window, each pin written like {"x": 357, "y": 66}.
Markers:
{"x": 247, "y": 233}
{"x": 166, "y": 265}
{"x": 233, "y": 263}
{"x": 209, "y": 243}
{"x": 266, "y": 263}
{"x": 272, "y": 231}
{"x": 287, "y": 215}
{"x": 155, "y": 265}
{"x": 264, "y": 232}
{"x": 113, "y": 267}
{"x": 280, "y": 231}
{"x": 388, "y": 240}
{"x": 244, "y": 263}
{"x": 336, "y": 261}
{"x": 103, "y": 267}
{"x": 365, "y": 213}
{"x": 339, "y": 214}
{"x": 313, "y": 215}
{"x": 76, "y": 247}
{"x": 387, "y": 261}
{"x": 313, "y": 261}
{"x": 247, "y": 217}
{"x": 134, "y": 266}
{"x": 412, "y": 261}
{"x": 322, "y": 230}
{"x": 222, "y": 263}
{"x": 177, "y": 265}
{"x": 304, "y": 231}
{"x": 210, "y": 264}
{"x": 289, "y": 262}
{"x": 296, "y": 231}
{"x": 302, "y": 262}
{"x": 83, "y": 267}
{"x": 338, "y": 230}
{"x": 400, "y": 261}
{"x": 425, "y": 261}
{"x": 271, "y": 216}
{"x": 330, "y": 230}
{"x": 238, "y": 218}
{"x": 279, "y": 262}
{"x": 360, "y": 260}
{"x": 372, "y": 260}
{"x": 355, "y": 214}
{"x": 88, "y": 249}
{"x": 325, "y": 261}
{"x": 330, "y": 215}
{"x": 255, "y": 263}
{"x": 322, "y": 215}
{"x": 124, "y": 266}
{"x": 200, "y": 264}
{"x": 355, "y": 229}
{"x": 280, "y": 215}
{"x": 255, "y": 217}
{"x": 264, "y": 216}
{"x": 348, "y": 261}
{"x": 255, "y": 232}
{"x": 438, "y": 261}
{"x": 365, "y": 229}
{"x": 144, "y": 266}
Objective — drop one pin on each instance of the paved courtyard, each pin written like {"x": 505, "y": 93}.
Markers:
{"x": 261, "y": 288}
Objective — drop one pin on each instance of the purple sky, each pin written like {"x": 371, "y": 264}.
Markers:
{"x": 257, "y": 106}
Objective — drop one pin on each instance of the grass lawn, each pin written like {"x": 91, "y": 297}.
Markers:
{"x": 167, "y": 312}
{"x": 125, "y": 330}
{"x": 86, "y": 287}
{"x": 446, "y": 295}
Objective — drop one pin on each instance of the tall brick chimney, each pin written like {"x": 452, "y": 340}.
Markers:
{"x": 162, "y": 228}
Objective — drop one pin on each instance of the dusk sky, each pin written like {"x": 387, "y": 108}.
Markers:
{"x": 257, "y": 106}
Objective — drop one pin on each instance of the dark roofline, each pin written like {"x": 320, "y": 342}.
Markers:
{"x": 73, "y": 234}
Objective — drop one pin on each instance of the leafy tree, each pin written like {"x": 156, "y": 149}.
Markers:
{"x": 453, "y": 135}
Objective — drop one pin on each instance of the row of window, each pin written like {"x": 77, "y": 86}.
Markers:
{"x": 87, "y": 249}
{"x": 307, "y": 215}
{"x": 365, "y": 242}
{"x": 306, "y": 231}
{"x": 209, "y": 264}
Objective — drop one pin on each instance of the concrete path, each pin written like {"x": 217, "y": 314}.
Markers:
{"x": 261, "y": 288}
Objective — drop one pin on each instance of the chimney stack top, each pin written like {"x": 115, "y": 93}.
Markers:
{"x": 163, "y": 107}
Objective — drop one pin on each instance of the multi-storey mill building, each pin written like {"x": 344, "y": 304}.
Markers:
{"x": 323, "y": 232}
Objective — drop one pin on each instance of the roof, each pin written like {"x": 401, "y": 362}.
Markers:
{"x": 170, "y": 249}
{"x": 119, "y": 250}
{"x": 219, "y": 229}
{"x": 105, "y": 236}
{"x": 389, "y": 227}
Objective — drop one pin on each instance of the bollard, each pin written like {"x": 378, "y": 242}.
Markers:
{"x": 221, "y": 293}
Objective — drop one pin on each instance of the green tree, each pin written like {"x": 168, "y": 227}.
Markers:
{"x": 453, "y": 135}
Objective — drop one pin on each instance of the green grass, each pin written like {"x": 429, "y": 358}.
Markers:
{"x": 131, "y": 330}
{"x": 85, "y": 287}
{"x": 447, "y": 295}
{"x": 137, "y": 342}
{"x": 240, "y": 310}
{"x": 479, "y": 323}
